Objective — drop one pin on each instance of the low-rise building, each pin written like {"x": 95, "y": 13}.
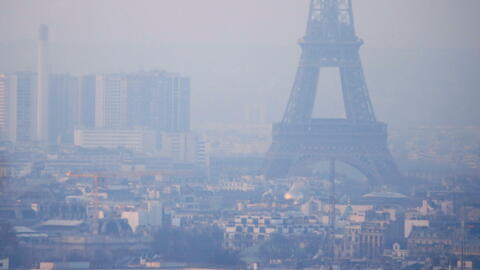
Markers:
{"x": 426, "y": 241}
{"x": 138, "y": 140}
{"x": 245, "y": 230}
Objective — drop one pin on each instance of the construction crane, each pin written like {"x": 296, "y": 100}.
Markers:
{"x": 97, "y": 175}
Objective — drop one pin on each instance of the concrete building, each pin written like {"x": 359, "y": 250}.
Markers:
{"x": 363, "y": 240}
{"x": 63, "y": 95}
{"x": 4, "y": 106}
{"x": 111, "y": 101}
{"x": 429, "y": 242}
{"x": 140, "y": 88}
{"x": 183, "y": 147}
{"x": 246, "y": 230}
{"x": 138, "y": 140}
{"x": 85, "y": 102}
{"x": 17, "y": 107}
{"x": 171, "y": 97}
{"x": 152, "y": 216}
{"x": 134, "y": 218}
{"x": 85, "y": 160}
{"x": 158, "y": 100}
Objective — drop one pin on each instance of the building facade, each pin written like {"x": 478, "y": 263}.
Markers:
{"x": 111, "y": 101}
{"x": 85, "y": 104}
{"x": 156, "y": 100}
{"x": 18, "y": 107}
{"x": 139, "y": 140}
{"x": 171, "y": 97}
{"x": 63, "y": 89}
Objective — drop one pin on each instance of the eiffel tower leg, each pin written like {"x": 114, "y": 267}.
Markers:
{"x": 373, "y": 161}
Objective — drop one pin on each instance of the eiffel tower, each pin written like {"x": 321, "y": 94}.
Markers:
{"x": 359, "y": 139}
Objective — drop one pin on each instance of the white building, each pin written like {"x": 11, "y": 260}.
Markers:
{"x": 111, "y": 101}
{"x": 5, "y": 100}
{"x": 138, "y": 140}
{"x": 183, "y": 147}
{"x": 152, "y": 216}
{"x": 17, "y": 107}
{"x": 245, "y": 230}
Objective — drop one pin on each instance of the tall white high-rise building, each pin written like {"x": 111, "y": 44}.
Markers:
{"x": 172, "y": 103}
{"x": 4, "y": 106}
{"x": 111, "y": 101}
{"x": 42, "y": 86}
{"x": 17, "y": 107}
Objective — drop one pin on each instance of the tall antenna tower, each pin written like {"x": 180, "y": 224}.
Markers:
{"x": 41, "y": 131}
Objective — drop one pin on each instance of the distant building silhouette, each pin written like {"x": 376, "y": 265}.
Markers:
{"x": 157, "y": 100}
{"x": 133, "y": 139}
{"x": 5, "y": 99}
{"x": 111, "y": 101}
{"x": 42, "y": 105}
{"x": 85, "y": 102}
{"x": 17, "y": 107}
{"x": 63, "y": 89}
{"x": 183, "y": 147}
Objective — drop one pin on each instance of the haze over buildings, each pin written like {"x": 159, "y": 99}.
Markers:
{"x": 138, "y": 134}
{"x": 407, "y": 38}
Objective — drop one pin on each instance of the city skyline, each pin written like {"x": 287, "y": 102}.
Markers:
{"x": 149, "y": 134}
{"x": 266, "y": 60}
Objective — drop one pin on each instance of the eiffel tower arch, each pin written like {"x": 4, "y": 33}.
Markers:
{"x": 358, "y": 140}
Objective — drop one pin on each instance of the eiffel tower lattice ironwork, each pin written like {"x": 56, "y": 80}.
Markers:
{"x": 358, "y": 140}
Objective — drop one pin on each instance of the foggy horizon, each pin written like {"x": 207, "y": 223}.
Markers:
{"x": 249, "y": 135}
{"x": 406, "y": 42}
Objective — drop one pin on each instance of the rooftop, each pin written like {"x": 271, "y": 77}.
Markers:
{"x": 62, "y": 222}
{"x": 385, "y": 194}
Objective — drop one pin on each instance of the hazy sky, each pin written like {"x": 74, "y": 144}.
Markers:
{"x": 384, "y": 23}
{"x": 239, "y": 52}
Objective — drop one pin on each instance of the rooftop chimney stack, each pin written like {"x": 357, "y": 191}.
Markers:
{"x": 42, "y": 86}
